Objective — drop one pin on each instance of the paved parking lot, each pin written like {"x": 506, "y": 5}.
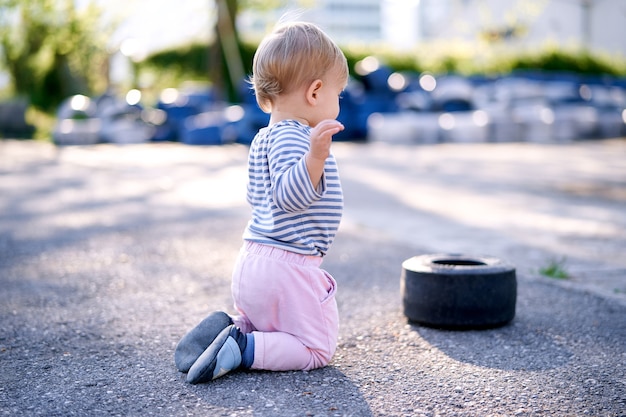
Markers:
{"x": 530, "y": 204}
{"x": 108, "y": 254}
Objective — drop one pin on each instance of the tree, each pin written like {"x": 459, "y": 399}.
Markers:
{"x": 226, "y": 66}
{"x": 51, "y": 50}
{"x": 227, "y": 69}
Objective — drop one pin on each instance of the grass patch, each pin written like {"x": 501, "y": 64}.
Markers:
{"x": 555, "y": 269}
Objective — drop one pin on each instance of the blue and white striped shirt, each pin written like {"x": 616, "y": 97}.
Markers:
{"x": 287, "y": 212}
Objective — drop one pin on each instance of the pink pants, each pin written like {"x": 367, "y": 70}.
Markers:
{"x": 288, "y": 302}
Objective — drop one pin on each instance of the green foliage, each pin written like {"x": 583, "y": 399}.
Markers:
{"x": 51, "y": 50}
{"x": 582, "y": 61}
{"x": 555, "y": 269}
{"x": 172, "y": 67}
{"x": 478, "y": 58}
{"x": 192, "y": 62}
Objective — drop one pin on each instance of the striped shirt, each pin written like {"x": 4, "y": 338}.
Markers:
{"x": 287, "y": 212}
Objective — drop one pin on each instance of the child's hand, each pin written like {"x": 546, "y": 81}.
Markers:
{"x": 322, "y": 137}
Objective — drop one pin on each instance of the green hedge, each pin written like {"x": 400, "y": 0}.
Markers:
{"x": 173, "y": 67}
{"x": 480, "y": 60}
{"x": 191, "y": 63}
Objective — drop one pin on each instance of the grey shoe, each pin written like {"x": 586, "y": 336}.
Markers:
{"x": 224, "y": 355}
{"x": 199, "y": 338}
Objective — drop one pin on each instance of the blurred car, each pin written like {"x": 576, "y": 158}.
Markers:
{"x": 77, "y": 122}
{"x": 215, "y": 127}
{"x": 13, "y": 123}
{"x": 179, "y": 104}
{"x": 125, "y": 121}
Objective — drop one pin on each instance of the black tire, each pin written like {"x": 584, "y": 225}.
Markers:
{"x": 458, "y": 291}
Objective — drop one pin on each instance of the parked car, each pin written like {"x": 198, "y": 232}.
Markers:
{"x": 77, "y": 122}
{"x": 125, "y": 121}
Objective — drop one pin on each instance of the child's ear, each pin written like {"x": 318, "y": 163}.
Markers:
{"x": 312, "y": 92}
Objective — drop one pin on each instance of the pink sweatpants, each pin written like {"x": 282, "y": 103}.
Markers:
{"x": 288, "y": 302}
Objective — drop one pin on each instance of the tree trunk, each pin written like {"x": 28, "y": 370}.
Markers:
{"x": 226, "y": 66}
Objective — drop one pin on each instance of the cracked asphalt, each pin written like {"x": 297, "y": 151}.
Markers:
{"x": 109, "y": 254}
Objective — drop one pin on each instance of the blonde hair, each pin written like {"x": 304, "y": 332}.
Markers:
{"x": 292, "y": 56}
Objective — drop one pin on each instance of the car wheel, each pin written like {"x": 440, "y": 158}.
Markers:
{"x": 458, "y": 292}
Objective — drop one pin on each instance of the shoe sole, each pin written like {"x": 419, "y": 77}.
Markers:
{"x": 224, "y": 351}
{"x": 195, "y": 342}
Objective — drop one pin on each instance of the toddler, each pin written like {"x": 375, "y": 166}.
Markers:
{"x": 287, "y": 314}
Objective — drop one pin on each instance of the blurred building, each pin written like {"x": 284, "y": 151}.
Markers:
{"x": 599, "y": 25}
{"x": 346, "y": 21}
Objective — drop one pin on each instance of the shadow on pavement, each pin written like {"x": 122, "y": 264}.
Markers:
{"x": 103, "y": 269}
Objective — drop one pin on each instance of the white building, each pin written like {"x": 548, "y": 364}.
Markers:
{"x": 599, "y": 25}
{"x": 346, "y": 21}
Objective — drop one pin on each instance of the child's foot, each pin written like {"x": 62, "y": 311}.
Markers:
{"x": 222, "y": 356}
{"x": 199, "y": 338}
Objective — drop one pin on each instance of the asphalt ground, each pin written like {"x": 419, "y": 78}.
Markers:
{"x": 109, "y": 254}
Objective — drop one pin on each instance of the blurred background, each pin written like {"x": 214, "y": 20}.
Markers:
{"x": 422, "y": 71}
